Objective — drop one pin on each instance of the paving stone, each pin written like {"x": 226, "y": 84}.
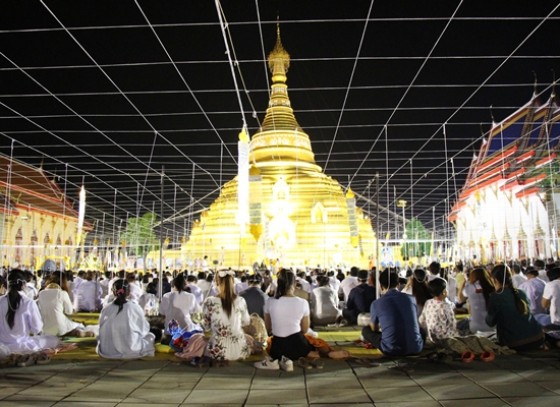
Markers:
{"x": 337, "y": 395}
{"x": 525, "y": 389}
{"x": 533, "y": 401}
{"x": 275, "y": 397}
{"x": 398, "y": 394}
{"x": 217, "y": 397}
{"x": 457, "y": 391}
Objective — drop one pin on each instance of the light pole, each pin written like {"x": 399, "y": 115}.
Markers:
{"x": 402, "y": 204}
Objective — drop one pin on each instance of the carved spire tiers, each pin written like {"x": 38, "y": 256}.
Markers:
{"x": 281, "y": 138}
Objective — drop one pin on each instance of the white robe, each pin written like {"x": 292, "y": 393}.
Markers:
{"x": 124, "y": 335}
{"x": 54, "y": 304}
{"x": 88, "y": 296}
{"x": 27, "y": 321}
{"x": 180, "y": 307}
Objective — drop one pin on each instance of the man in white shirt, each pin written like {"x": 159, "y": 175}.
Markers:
{"x": 518, "y": 277}
{"x": 551, "y": 296}
{"x": 349, "y": 282}
{"x": 194, "y": 289}
{"x": 540, "y": 266}
{"x": 88, "y": 294}
{"x": 333, "y": 281}
{"x": 304, "y": 283}
{"x": 534, "y": 288}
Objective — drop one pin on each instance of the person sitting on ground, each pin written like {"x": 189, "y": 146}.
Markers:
{"x": 195, "y": 289}
{"x": 300, "y": 292}
{"x": 254, "y": 296}
{"x": 124, "y": 332}
{"x": 517, "y": 277}
{"x": 324, "y": 303}
{"x": 476, "y": 290}
{"x": 435, "y": 270}
{"x": 333, "y": 281}
{"x": 348, "y": 283}
{"x": 541, "y": 268}
{"x": 508, "y": 310}
{"x": 438, "y": 317}
{"x": 54, "y": 304}
{"x": 20, "y": 321}
{"x": 449, "y": 276}
{"x": 302, "y": 277}
{"x": 88, "y": 294}
{"x": 204, "y": 284}
{"x": 179, "y": 305}
{"x": 533, "y": 287}
{"x": 3, "y": 288}
{"x": 551, "y": 300}
{"x": 360, "y": 298}
{"x": 417, "y": 288}
{"x": 242, "y": 285}
{"x": 134, "y": 289}
{"x": 394, "y": 328}
{"x": 224, "y": 316}
{"x": 287, "y": 318}
{"x": 30, "y": 290}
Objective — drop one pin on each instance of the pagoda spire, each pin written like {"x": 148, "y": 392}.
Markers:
{"x": 280, "y": 138}
{"x": 279, "y": 115}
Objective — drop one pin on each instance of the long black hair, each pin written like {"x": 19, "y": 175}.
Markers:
{"x": 120, "y": 291}
{"x": 16, "y": 282}
{"x": 286, "y": 281}
{"x": 502, "y": 274}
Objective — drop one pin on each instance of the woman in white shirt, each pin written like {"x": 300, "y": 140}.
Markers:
{"x": 287, "y": 317}
{"x": 124, "y": 333}
{"x": 477, "y": 289}
{"x": 20, "y": 321}
{"x": 324, "y": 303}
{"x": 179, "y": 305}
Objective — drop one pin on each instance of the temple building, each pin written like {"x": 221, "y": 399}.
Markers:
{"x": 37, "y": 222}
{"x": 281, "y": 208}
{"x": 509, "y": 207}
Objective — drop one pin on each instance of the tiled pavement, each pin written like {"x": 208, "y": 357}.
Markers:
{"x": 417, "y": 382}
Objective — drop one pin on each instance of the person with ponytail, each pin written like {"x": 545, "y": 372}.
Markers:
{"x": 225, "y": 315}
{"x": 508, "y": 310}
{"x": 476, "y": 290}
{"x": 124, "y": 332}
{"x": 287, "y": 317}
{"x": 20, "y": 320}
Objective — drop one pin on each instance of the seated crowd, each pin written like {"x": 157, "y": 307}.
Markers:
{"x": 223, "y": 316}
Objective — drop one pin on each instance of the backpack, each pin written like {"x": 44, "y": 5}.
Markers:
{"x": 256, "y": 328}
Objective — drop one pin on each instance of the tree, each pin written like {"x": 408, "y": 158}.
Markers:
{"x": 139, "y": 235}
{"x": 415, "y": 230}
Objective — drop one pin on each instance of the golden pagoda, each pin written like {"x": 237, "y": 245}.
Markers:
{"x": 295, "y": 215}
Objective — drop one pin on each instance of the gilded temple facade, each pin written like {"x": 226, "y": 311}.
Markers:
{"x": 37, "y": 222}
{"x": 293, "y": 214}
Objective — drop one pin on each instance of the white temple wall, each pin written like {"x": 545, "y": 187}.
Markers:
{"x": 497, "y": 216}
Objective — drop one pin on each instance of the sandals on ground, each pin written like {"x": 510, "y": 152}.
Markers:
{"x": 43, "y": 359}
{"x": 26, "y": 360}
{"x": 339, "y": 354}
{"x": 316, "y": 363}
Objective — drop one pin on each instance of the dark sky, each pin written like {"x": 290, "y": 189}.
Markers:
{"x": 112, "y": 91}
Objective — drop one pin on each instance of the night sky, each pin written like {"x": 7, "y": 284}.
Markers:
{"x": 111, "y": 92}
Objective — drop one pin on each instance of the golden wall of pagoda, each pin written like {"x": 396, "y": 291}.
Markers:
{"x": 318, "y": 215}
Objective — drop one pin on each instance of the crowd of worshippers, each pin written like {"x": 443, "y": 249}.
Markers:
{"x": 219, "y": 316}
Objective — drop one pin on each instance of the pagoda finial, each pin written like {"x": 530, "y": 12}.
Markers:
{"x": 278, "y": 59}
